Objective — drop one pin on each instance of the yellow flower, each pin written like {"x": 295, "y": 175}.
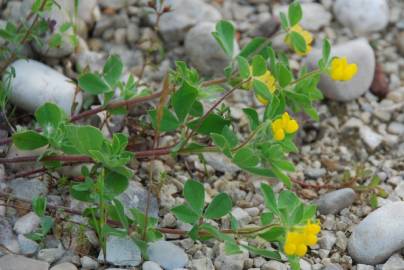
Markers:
{"x": 283, "y": 125}
{"x": 299, "y": 238}
{"x": 341, "y": 70}
{"x": 308, "y": 38}
{"x": 312, "y": 228}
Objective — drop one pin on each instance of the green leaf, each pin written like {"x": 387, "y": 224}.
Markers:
{"x": 373, "y": 201}
{"x": 273, "y": 235}
{"x": 49, "y": 114}
{"x": 312, "y": 113}
{"x": 252, "y": 47}
{"x": 29, "y": 140}
{"x": 284, "y": 21}
{"x": 295, "y": 13}
{"x": 213, "y": 123}
{"x": 267, "y": 218}
{"x": 269, "y": 197}
{"x": 84, "y": 138}
{"x": 230, "y": 136}
{"x": 113, "y": 70}
{"x": 246, "y": 157}
{"x": 185, "y": 213}
{"x": 115, "y": 183}
{"x": 263, "y": 252}
{"x": 168, "y": 121}
{"x": 259, "y": 66}
{"x": 46, "y": 224}
{"x": 284, "y": 165}
{"x": 261, "y": 89}
{"x": 326, "y": 53}
{"x": 220, "y": 206}
{"x": 120, "y": 212}
{"x": 183, "y": 100}
{"x": 287, "y": 200}
{"x": 244, "y": 67}
{"x": 224, "y": 35}
{"x": 93, "y": 84}
{"x": 55, "y": 40}
{"x": 253, "y": 118}
{"x": 194, "y": 193}
{"x": 298, "y": 42}
{"x": 39, "y": 205}
{"x": 284, "y": 75}
{"x": 65, "y": 26}
{"x": 197, "y": 109}
{"x": 282, "y": 177}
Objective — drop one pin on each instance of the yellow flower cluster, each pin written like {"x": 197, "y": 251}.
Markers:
{"x": 341, "y": 70}
{"x": 308, "y": 38}
{"x": 283, "y": 125}
{"x": 298, "y": 239}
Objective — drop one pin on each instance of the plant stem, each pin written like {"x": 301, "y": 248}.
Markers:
{"x": 244, "y": 231}
{"x": 113, "y": 105}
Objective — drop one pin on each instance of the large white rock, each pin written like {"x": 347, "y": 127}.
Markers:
{"x": 362, "y": 16}
{"x": 184, "y": 14}
{"x": 204, "y": 52}
{"x": 379, "y": 235}
{"x": 36, "y": 83}
{"x": 357, "y": 51}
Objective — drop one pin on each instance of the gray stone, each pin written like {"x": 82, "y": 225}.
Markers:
{"x": 27, "y": 246}
{"x": 93, "y": 60}
{"x": 204, "y": 52}
{"x": 167, "y": 255}
{"x": 327, "y": 240}
{"x": 202, "y": 264}
{"x": 7, "y": 238}
{"x": 274, "y": 265}
{"x": 333, "y": 266}
{"x": 16, "y": 262}
{"x": 356, "y": 51}
{"x": 121, "y": 252}
{"x": 305, "y": 265}
{"x": 88, "y": 263}
{"x": 220, "y": 163}
{"x": 64, "y": 266}
{"x": 27, "y": 223}
{"x": 395, "y": 262}
{"x": 396, "y": 128}
{"x": 379, "y": 235}
{"x": 370, "y": 137}
{"x": 315, "y": 16}
{"x": 151, "y": 266}
{"x": 400, "y": 43}
{"x": 36, "y": 83}
{"x": 50, "y": 255}
{"x": 135, "y": 196}
{"x": 28, "y": 188}
{"x": 335, "y": 201}
{"x": 342, "y": 241}
{"x": 362, "y": 16}
{"x": 184, "y": 15}
{"x": 242, "y": 217}
{"x": 230, "y": 262}
{"x": 364, "y": 267}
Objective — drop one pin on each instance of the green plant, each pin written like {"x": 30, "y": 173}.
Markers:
{"x": 180, "y": 111}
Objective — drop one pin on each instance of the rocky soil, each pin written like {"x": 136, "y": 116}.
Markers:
{"x": 360, "y": 135}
